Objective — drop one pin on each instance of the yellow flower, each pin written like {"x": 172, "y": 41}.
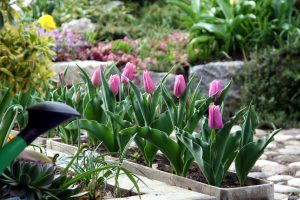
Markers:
{"x": 233, "y": 2}
{"x": 47, "y": 22}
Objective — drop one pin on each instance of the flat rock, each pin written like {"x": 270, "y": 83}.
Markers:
{"x": 279, "y": 196}
{"x": 259, "y": 175}
{"x": 278, "y": 178}
{"x": 295, "y": 182}
{"x": 73, "y": 76}
{"x": 294, "y": 165}
{"x": 285, "y": 189}
{"x": 277, "y": 169}
{"x": 223, "y": 71}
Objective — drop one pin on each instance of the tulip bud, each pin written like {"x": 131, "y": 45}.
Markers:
{"x": 96, "y": 78}
{"x": 61, "y": 78}
{"x": 114, "y": 83}
{"x": 127, "y": 72}
{"x": 214, "y": 117}
{"x": 179, "y": 86}
{"x": 215, "y": 88}
{"x": 149, "y": 86}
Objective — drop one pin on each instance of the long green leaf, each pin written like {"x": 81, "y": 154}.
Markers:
{"x": 249, "y": 154}
{"x": 100, "y": 131}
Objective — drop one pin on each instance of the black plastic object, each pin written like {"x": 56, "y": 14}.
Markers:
{"x": 44, "y": 116}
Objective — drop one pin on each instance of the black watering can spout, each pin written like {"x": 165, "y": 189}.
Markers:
{"x": 42, "y": 117}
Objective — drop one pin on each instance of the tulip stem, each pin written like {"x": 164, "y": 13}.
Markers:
{"x": 212, "y": 140}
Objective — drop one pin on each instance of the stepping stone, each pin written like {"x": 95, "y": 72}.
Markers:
{"x": 285, "y": 189}
{"x": 295, "y": 182}
{"x": 277, "y": 169}
{"x": 277, "y": 178}
{"x": 279, "y": 196}
{"x": 294, "y": 165}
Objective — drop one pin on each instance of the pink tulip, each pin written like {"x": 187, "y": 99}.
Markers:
{"x": 215, "y": 88}
{"x": 179, "y": 86}
{"x": 114, "y": 83}
{"x": 96, "y": 78}
{"x": 127, "y": 72}
{"x": 214, "y": 117}
{"x": 149, "y": 86}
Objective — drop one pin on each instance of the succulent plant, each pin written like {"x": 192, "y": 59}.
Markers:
{"x": 36, "y": 180}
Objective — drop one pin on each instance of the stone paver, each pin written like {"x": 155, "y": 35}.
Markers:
{"x": 280, "y": 164}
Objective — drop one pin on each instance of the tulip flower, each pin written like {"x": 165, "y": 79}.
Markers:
{"x": 179, "y": 86}
{"x": 214, "y": 117}
{"x": 114, "y": 83}
{"x": 127, "y": 72}
{"x": 96, "y": 78}
{"x": 215, "y": 88}
{"x": 149, "y": 86}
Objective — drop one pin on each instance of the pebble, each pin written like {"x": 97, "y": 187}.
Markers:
{"x": 295, "y": 182}
{"x": 294, "y": 165}
{"x": 287, "y": 158}
{"x": 277, "y": 169}
{"x": 285, "y": 189}
{"x": 297, "y": 174}
{"x": 289, "y": 151}
{"x": 260, "y": 133}
{"x": 277, "y": 178}
{"x": 263, "y": 163}
{"x": 279, "y": 196}
{"x": 293, "y": 142}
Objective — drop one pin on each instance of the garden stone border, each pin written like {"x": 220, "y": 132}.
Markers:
{"x": 263, "y": 191}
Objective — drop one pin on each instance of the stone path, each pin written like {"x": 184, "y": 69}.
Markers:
{"x": 280, "y": 164}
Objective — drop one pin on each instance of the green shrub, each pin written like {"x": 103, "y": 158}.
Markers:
{"x": 271, "y": 81}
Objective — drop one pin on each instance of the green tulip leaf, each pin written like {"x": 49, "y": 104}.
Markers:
{"x": 249, "y": 154}
{"x": 100, "y": 131}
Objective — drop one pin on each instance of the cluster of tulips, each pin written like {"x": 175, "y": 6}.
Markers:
{"x": 116, "y": 113}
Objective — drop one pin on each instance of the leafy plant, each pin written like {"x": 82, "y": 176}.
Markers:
{"x": 37, "y": 180}
{"x": 281, "y": 69}
{"x": 250, "y": 150}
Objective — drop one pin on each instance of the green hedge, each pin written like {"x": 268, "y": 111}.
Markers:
{"x": 272, "y": 82}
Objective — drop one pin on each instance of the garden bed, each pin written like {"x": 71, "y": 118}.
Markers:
{"x": 230, "y": 189}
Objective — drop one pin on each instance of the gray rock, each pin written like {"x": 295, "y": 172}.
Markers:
{"x": 295, "y": 182}
{"x": 285, "y": 189}
{"x": 277, "y": 178}
{"x": 73, "y": 71}
{"x": 82, "y": 25}
{"x": 223, "y": 71}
